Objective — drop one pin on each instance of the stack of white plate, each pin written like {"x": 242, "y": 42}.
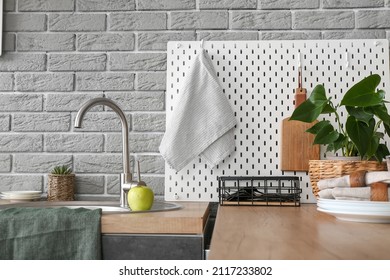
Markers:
{"x": 21, "y": 195}
{"x": 356, "y": 211}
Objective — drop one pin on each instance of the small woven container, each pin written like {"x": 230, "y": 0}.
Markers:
{"x": 326, "y": 169}
{"x": 60, "y": 187}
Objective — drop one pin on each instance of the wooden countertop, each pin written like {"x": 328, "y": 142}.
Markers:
{"x": 302, "y": 233}
{"x": 190, "y": 219}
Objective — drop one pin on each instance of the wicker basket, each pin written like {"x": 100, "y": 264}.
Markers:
{"x": 60, "y": 187}
{"x": 325, "y": 169}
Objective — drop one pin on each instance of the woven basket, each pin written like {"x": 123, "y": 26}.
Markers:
{"x": 60, "y": 187}
{"x": 325, "y": 169}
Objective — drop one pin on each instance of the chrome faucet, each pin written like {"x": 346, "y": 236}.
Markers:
{"x": 126, "y": 177}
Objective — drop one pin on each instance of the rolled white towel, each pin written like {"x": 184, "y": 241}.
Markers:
{"x": 352, "y": 198}
{"x": 327, "y": 193}
{"x": 352, "y": 193}
{"x": 333, "y": 183}
{"x": 344, "y": 181}
{"x": 362, "y": 194}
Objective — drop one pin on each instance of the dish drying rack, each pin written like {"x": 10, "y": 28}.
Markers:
{"x": 259, "y": 190}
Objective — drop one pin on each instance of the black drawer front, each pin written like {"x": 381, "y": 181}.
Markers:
{"x": 152, "y": 247}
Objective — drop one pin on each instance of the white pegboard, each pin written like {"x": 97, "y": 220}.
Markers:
{"x": 259, "y": 78}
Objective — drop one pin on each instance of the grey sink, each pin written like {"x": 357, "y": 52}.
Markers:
{"x": 107, "y": 207}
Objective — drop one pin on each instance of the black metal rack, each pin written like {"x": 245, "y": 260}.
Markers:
{"x": 259, "y": 190}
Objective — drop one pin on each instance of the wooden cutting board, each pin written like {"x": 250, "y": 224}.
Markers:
{"x": 297, "y": 145}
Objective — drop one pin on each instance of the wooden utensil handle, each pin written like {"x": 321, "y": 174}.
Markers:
{"x": 300, "y": 96}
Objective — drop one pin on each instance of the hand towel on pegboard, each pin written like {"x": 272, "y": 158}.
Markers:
{"x": 202, "y": 122}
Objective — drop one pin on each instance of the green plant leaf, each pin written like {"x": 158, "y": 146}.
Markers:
{"x": 381, "y": 112}
{"x": 61, "y": 170}
{"x": 373, "y": 144}
{"x": 381, "y": 152}
{"x": 360, "y": 134}
{"x": 318, "y": 94}
{"x": 311, "y": 108}
{"x": 328, "y": 109}
{"x": 387, "y": 128}
{"x": 363, "y": 93}
{"x": 318, "y": 126}
{"x": 360, "y": 114}
{"x": 338, "y": 144}
{"x": 326, "y": 135}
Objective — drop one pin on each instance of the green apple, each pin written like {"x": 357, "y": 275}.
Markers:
{"x": 140, "y": 198}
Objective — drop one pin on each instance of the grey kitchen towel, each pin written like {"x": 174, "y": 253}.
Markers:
{"x": 202, "y": 122}
{"x": 50, "y": 234}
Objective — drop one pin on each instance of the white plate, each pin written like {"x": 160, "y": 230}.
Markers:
{"x": 359, "y": 217}
{"x": 361, "y": 209}
{"x": 21, "y": 195}
{"x": 354, "y": 202}
{"x": 21, "y": 199}
{"x": 21, "y": 192}
{"x": 354, "y": 205}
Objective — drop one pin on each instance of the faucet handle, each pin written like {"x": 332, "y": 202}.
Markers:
{"x": 140, "y": 182}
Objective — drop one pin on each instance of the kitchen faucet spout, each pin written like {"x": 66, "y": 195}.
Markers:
{"x": 126, "y": 177}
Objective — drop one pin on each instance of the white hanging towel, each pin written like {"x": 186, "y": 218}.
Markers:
{"x": 202, "y": 122}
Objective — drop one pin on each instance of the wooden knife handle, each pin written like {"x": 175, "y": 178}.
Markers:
{"x": 300, "y": 96}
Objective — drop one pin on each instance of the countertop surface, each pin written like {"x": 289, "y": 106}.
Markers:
{"x": 189, "y": 219}
{"x": 257, "y": 232}
{"x": 302, "y": 233}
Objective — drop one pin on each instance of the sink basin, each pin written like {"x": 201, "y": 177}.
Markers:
{"x": 107, "y": 207}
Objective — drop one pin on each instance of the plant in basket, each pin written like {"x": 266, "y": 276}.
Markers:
{"x": 362, "y": 134}
{"x": 367, "y": 120}
{"x": 60, "y": 184}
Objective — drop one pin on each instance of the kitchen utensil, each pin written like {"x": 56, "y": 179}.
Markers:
{"x": 140, "y": 182}
{"x": 297, "y": 144}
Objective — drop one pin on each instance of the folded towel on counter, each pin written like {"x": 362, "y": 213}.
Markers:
{"x": 355, "y": 179}
{"x": 50, "y": 234}
{"x": 363, "y": 193}
{"x": 327, "y": 193}
{"x": 202, "y": 122}
{"x": 342, "y": 193}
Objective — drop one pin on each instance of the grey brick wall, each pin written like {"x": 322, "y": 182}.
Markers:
{"x": 58, "y": 54}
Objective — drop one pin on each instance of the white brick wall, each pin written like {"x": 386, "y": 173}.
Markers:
{"x": 59, "y": 53}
